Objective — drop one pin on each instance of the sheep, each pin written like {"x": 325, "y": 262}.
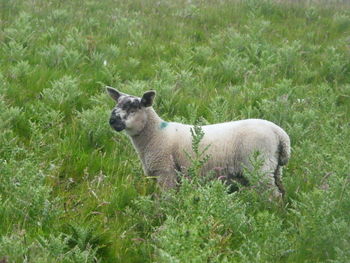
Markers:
{"x": 162, "y": 146}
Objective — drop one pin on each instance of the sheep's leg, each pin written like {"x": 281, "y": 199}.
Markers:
{"x": 275, "y": 192}
{"x": 278, "y": 179}
{"x": 166, "y": 179}
{"x": 271, "y": 178}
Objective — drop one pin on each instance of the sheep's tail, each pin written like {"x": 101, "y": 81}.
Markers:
{"x": 283, "y": 147}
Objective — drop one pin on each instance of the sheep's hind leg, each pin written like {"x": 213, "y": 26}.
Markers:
{"x": 278, "y": 180}
{"x": 272, "y": 179}
{"x": 235, "y": 181}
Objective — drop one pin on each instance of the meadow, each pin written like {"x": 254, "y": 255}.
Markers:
{"x": 73, "y": 190}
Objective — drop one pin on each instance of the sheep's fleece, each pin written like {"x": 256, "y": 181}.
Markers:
{"x": 162, "y": 145}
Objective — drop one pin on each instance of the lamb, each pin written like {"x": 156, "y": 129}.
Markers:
{"x": 162, "y": 145}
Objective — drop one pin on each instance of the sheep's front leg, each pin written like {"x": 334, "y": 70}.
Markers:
{"x": 167, "y": 179}
{"x": 162, "y": 167}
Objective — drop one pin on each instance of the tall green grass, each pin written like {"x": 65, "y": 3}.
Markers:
{"x": 72, "y": 190}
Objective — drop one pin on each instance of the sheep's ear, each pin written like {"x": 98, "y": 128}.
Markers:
{"x": 147, "y": 98}
{"x": 113, "y": 93}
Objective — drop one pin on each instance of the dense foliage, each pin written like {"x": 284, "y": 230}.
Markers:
{"x": 72, "y": 190}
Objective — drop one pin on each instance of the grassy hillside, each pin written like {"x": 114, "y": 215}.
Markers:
{"x": 72, "y": 190}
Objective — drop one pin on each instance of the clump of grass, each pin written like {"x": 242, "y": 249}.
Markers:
{"x": 63, "y": 96}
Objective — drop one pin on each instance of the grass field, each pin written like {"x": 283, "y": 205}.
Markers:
{"x": 72, "y": 190}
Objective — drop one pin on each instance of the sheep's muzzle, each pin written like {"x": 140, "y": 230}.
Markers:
{"x": 116, "y": 123}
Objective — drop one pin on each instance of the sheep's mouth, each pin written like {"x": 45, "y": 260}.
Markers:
{"x": 119, "y": 128}
{"x": 117, "y": 125}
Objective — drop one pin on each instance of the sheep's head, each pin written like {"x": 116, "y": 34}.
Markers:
{"x": 129, "y": 114}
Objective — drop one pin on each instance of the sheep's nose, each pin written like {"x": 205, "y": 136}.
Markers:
{"x": 114, "y": 119}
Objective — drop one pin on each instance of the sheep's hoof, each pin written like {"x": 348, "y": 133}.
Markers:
{"x": 276, "y": 197}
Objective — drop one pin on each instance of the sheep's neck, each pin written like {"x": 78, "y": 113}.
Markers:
{"x": 146, "y": 138}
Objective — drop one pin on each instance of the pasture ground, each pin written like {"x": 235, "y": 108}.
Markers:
{"x": 72, "y": 190}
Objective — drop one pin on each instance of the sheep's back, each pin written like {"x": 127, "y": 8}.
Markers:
{"x": 233, "y": 143}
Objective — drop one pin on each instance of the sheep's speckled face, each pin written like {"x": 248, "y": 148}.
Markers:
{"x": 129, "y": 113}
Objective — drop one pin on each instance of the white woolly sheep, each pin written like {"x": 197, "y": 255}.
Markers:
{"x": 161, "y": 145}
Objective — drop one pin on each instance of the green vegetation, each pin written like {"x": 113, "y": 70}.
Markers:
{"x": 72, "y": 190}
